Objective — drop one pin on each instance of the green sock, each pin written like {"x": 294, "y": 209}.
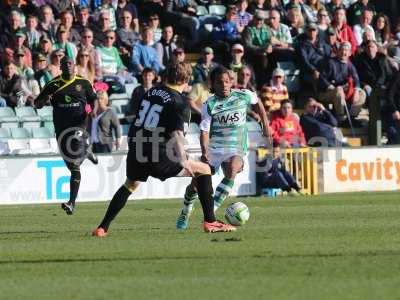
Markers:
{"x": 222, "y": 191}
{"x": 189, "y": 199}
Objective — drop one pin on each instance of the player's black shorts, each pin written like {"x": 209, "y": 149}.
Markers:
{"x": 73, "y": 145}
{"x": 161, "y": 167}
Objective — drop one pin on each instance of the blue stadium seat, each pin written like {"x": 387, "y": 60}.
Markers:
{"x": 49, "y": 125}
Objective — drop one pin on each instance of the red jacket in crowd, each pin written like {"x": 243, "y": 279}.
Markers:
{"x": 287, "y": 129}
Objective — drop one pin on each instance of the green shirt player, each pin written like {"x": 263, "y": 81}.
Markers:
{"x": 69, "y": 95}
{"x": 224, "y": 138}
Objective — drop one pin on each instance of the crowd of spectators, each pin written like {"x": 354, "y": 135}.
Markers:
{"x": 347, "y": 52}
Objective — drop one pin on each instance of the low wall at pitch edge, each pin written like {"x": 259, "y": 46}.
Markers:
{"x": 45, "y": 179}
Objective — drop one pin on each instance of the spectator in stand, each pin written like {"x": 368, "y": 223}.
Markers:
{"x": 373, "y": 68}
{"x": 47, "y": 25}
{"x": 204, "y": 66}
{"x": 323, "y": 23}
{"x": 108, "y": 8}
{"x": 127, "y": 37}
{"x": 331, "y": 40}
{"x": 343, "y": 31}
{"x": 123, "y": 6}
{"x": 100, "y": 31}
{"x": 286, "y": 129}
{"x": 311, "y": 10}
{"x": 83, "y": 21}
{"x": 312, "y": 52}
{"x": 55, "y": 62}
{"x": 258, "y": 5}
{"x": 33, "y": 35}
{"x": 257, "y": 44}
{"x": 246, "y": 79}
{"x": 280, "y": 39}
{"x": 10, "y": 85}
{"x": 8, "y": 33}
{"x": 392, "y": 112}
{"x": 340, "y": 84}
{"x": 332, "y": 6}
{"x": 42, "y": 74}
{"x": 318, "y": 125}
{"x": 227, "y": 30}
{"x": 277, "y": 177}
{"x": 67, "y": 20}
{"x": 85, "y": 65}
{"x": 144, "y": 55}
{"x": 154, "y": 23}
{"x": 237, "y": 61}
{"x": 382, "y": 29}
{"x": 19, "y": 43}
{"x": 356, "y": 10}
{"x": 274, "y": 93}
{"x": 182, "y": 14}
{"x": 166, "y": 46}
{"x": 295, "y": 21}
{"x": 365, "y": 22}
{"x": 63, "y": 43}
{"x": 179, "y": 55}
{"x": 45, "y": 47}
{"x": 148, "y": 78}
{"x": 104, "y": 126}
{"x": 110, "y": 63}
{"x": 243, "y": 18}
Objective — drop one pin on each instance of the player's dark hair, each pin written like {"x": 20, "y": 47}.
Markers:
{"x": 216, "y": 73}
{"x": 178, "y": 73}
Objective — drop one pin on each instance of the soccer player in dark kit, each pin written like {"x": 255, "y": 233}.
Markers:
{"x": 69, "y": 95}
{"x": 156, "y": 148}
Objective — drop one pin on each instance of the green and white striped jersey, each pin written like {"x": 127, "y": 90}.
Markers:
{"x": 225, "y": 120}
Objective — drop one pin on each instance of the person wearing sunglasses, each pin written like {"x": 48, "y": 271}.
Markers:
{"x": 154, "y": 23}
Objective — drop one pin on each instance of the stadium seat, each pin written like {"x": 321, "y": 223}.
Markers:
{"x": 40, "y": 146}
{"x": 122, "y": 96}
{"x": 42, "y": 133}
{"x": 45, "y": 113}
{"x": 201, "y": 10}
{"x": 4, "y": 134}
{"x": 27, "y": 116}
{"x": 122, "y": 105}
{"x": 8, "y": 118}
{"x": 217, "y": 10}
{"x": 49, "y": 125}
{"x": 20, "y": 133}
{"x": 193, "y": 128}
{"x": 129, "y": 87}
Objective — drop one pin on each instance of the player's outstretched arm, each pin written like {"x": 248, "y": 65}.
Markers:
{"x": 259, "y": 109}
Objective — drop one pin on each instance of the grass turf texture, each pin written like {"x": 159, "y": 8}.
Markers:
{"x": 327, "y": 247}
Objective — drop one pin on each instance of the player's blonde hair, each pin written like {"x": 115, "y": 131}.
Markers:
{"x": 178, "y": 73}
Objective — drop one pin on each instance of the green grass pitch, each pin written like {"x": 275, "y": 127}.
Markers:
{"x": 325, "y": 247}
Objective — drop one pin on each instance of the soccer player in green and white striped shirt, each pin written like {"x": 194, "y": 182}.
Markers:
{"x": 224, "y": 138}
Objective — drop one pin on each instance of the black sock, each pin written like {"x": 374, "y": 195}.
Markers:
{"x": 116, "y": 204}
{"x": 205, "y": 192}
{"x": 74, "y": 184}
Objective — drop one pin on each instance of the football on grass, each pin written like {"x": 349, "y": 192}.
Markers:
{"x": 237, "y": 214}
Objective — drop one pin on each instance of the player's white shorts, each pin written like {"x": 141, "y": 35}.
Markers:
{"x": 217, "y": 158}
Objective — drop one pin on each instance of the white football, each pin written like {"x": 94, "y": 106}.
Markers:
{"x": 237, "y": 214}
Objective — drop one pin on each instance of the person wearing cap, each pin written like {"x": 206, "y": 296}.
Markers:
{"x": 237, "y": 61}
{"x": 63, "y": 43}
{"x": 312, "y": 52}
{"x": 166, "y": 46}
{"x": 275, "y": 92}
{"x": 204, "y": 66}
{"x": 45, "y": 46}
{"x": 343, "y": 31}
{"x": 18, "y": 41}
{"x": 332, "y": 41}
{"x": 144, "y": 55}
{"x": 339, "y": 84}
